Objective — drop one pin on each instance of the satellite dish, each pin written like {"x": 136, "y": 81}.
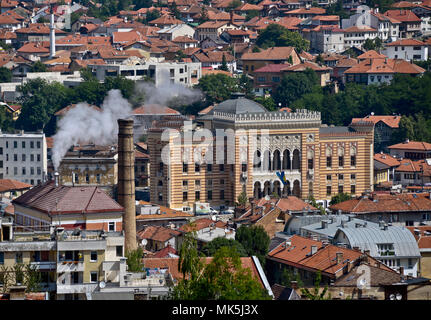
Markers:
{"x": 102, "y": 284}
{"x": 399, "y": 296}
{"x": 363, "y": 282}
{"x": 213, "y": 218}
{"x": 144, "y": 242}
{"x": 392, "y": 297}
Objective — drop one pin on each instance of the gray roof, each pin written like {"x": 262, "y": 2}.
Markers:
{"x": 237, "y": 106}
{"x": 367, "y": 239}
{"x": 380, "y": 166}
{"x": 336, "y": 129}
{"x": 306, "y": 220}
{"x": 332, "y": 227}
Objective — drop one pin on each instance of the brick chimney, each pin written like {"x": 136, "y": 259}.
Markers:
{"x": 339, "y": 256}
{"x": 231, "y": 17}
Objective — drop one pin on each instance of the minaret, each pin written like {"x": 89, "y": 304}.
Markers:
{"x": 51, "y": 35}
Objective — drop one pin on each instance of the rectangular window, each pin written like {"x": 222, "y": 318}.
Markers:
{"x": 38, "y": 157}
{"x": 328, "y": 190}
{"x": 98, "y": 178}
{"x": 185, "y": 183}
{"x": 39, "y": 170}
{"x": 23, "y": 157}
{"x": 184, "y": 196}
{"x": 197, "y": 183}
{"x": 340, "y": 189}
{"x": 38, "y": 144}
{"x": 111, "y": 226}
{"x": 1, "y": 257}
{"x": 328, "y": 177}
{"x": 197, "y": 195}
{"x": 15, "y": 170}
{"x": 15, "y": 144}
{"x": 340, "y": 176}
{"x": 209, "y": 167}
{"x": 310, "y": 163}
{"x": 353, "y": 177}
{"x": 119, "y": 251}
{"x": 341, "y": 161}
{"x": 244, "y": 167}
{"x": 93, "y": 276}
{"x": 32, "y": 157}
{"x": 352, "y": 189}
{"x": 18, "y": 257}
{"x": 385, "y": 249}
{"x": 32, "y": 144}
{"x": 15, "y": 157}
{"x": 197, "y": 168}
{"x": 93, "y": 256}
{"x": 353, "y": 161}
{"x": 221, "y": 167}
{"x": 210, "y": 183}
{"x": 221, "y": 194}
{"x": 23, "y": 144}
{"x": 23, "y": 170}
{"x": 328, "y": 162}
{"x": 210, "y": 195}
{"x": 185, "y": 167}
{"x": 7, "y": 144}
{"x": 222, "y": 181}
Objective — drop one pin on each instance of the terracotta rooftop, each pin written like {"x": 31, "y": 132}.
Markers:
{"x": 157, "y": 233}
{"x": 410, "y": 202}
{"x": 11, "y": 185}
{"x": 306, "y": 65}
{"x": 154, "y": 109}
{"x": 165, "y": 213}
{"x": 360, "y": 29}
{"x": 202, "y": 223}
{"x": 54, "y": 200}
{"x": 275, "y": 53}
{"x": 312, "y": 10}
{"x": 388, "y": 66}
{"x": 371, "y": 54}
{"x": 63, "y": 111}
{"x": 386, "y": 159}
{"x": 273, "y": 67}
{"x": 403, "y": 15}
{"x": 406, "y": 42}
{"x": 412, "y": 145}
{"x": 165, "y": 20}
{"x": 214, "y": 56}
{"x": 390, "y": 121}
{"x": 33, "y": 47}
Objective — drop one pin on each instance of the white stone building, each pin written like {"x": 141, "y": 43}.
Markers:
{"x": 23, "y": 157}
{"x": 407, "y": 49}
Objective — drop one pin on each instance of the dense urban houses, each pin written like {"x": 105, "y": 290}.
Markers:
{"x": 413, "y": 150}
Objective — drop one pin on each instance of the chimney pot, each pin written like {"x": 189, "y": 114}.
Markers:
{"x": 313, "y": 249}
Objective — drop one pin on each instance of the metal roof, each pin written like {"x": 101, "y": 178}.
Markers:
{"x": 367, "y": 238}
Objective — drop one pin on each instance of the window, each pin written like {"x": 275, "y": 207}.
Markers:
{"x": 210, "y": 183}
{"x": 221, "y": 194}
{"x": 32, "y": 157}
{"x": 209, "y": 167}
{"x": 38, "y": 157}
{"x": 410, "y": 263}
{"x": 385, "y": 249}
{"x": 328, "y": 177}
{"x": 353, "y": 177}
{"x": 15, "y": 170}
{"x": 185, "y": 196}
{"x": 32, "y": 144}
{"x": 197, "y": 183}
{"x": 23, "y": 157}
{"x": 353, "y": 161}
{"x": 340, "y": 176}
{"x": 93, "y": 276}
{"x": 341, "y": 161}
{"x": 98, "y": 178}
{"x": 340, "y": 189}
{"x": 15, "y": 144}
{"x": 160, "y": 197}
{"x": 244, "y": 167}
{"x": 15, "y": 157}
{"x": 111, "y": 226}
{"x": 23, "y": 144}
{"x": 209, "y": 195}
{"x": 18, "y": 257}
{"x": 119, "y": 251}
{"x": 197, "y": 195}
{"x": 328, "y": 162}
{"x": 185, "y": 167}
{"x": 87, "y": 178}
{"x": 352, "y": 189}
{"x": 161, "y": 166}
{"x": 197, "y": 168}
{"x": 93, "y": 256}
{"x": 38, "y": 144}
{"x": 409, "y": 223}
{"x": 7, "y": 144}
{"x": 1, "y": 257}
{"x": 221, "y": 181}
{"x": 23, "y": 170}
{"x": 76, "y": 178}
{"x": 310, "y": 163}
{"x": 328, "y": 190}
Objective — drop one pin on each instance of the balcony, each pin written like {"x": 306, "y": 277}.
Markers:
{"x": 70, "y": 266}
{"x": 76, "y": 288}
{"x": 44, "y": 265}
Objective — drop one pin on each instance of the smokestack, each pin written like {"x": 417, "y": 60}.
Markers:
{"x": 56, "y": 178}
{"x": 126, "y": 181}
{"x": 51, "y": 35}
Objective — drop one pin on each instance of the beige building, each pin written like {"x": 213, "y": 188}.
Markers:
{"x": 260, "y": 147}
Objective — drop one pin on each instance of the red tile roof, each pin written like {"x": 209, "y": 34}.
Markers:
{"x": 157, "y": 233}
{"x": 165, "y": 20}
{"x": 390, "y": 121}
{"x": 386, "y": 203}
{"x": 412, "y": 145}
{"x": 403, "y": 15}
{"x": 386, "y": 159}
{"x": 371, "y": 54}
{"x": 307, "y": 65}
{"x": 11, "y": 185}
{"x": 165, "y": 252}
{"x": 388, "y": 66}
{"x": 275, "y": 53}
{"x": 54, "y": 200}
{"x": 165, "y": 213}
{"x": 312, "y": 10}
{"x": 214, "y": 56}
{"x": 273, "y": 67}
{"x": 202, "y": 223}
{"x": 154, "y": 109}
{"x": 407, "y": 165}
{"x": 33, "y": 47}
{"x": 406, "y": 42}
{"x": 360, "y": 29}
{"x": 63, "y": 111}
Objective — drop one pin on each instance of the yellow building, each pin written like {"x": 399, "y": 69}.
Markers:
{"x": 260, "y": 147}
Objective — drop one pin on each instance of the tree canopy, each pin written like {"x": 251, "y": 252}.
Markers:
{"x": 255, "y": 241}
{"x": 276, "y": 35}
{"x": 5, "y": 75}
{"x": 340, "y": 197}
{"x": 211, "y": 247}
{"x": 38, "y": 67}
{"x": 217, "y": 87}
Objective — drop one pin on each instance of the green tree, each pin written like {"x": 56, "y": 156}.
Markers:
{"x": 217, "y": 87}
{"x": 314, "y": 203}
{"x": 276, "y": 35}
{"x": 126, "y": 86}
{"x": 39, "y": 100}
{"x": 316, "y": 294}
{"x": 268, "y": 103}
{"x": 134, "y": 260}
{"x": 242, "y": 199}
{"x": 5, "y": 75}
{"x": 255, "y": 241}
{"x": 142, "y": 4}
{"x": 87, "y": 74}
{"x": 340, "y": 197}
{"x": 337, "y": 10}
{"x": 319, "y": 59}
{"x": 174, "y": 10}
{"x": 251, "y": 14}
{"x": 223, "y": 66}
{"x": 245, "y": 85}
{"x": 211, "y": 247}
{"x": 203, "y": 16}
{"x": 32, "y": 278}
{"x": 233, "y": 5}
{"x": 152, "y": 15}
{"x": 373, "y": 44}
{"x": 38, "y": 67}
{"x": 294, "y": 85}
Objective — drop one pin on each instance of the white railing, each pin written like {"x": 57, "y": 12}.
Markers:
{"x": 70, "y": 266}
{"x": 76, "y": 288}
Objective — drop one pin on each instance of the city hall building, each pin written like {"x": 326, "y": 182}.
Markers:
{"x": 240, "y": 146}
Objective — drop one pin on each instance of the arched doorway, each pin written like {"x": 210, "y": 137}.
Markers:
{"x": 267, "y": 160}
{"x": 296, "y": 189}
{"x": 286, "y": 160}
{"x": 257, "y": 192}
{"x": 296, "y": 165}
{"x": 257, "y": 161}
{"x": 266, "y": 188}
{"x": 276, "y": 161}
{"x": 286, "y": 189}
{"x": 277, "y": 189}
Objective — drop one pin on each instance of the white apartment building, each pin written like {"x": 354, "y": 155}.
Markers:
{"x": 407, "y": 49}
{"x": 326, "y": 39}
{"x": 355, "y": 37}
{"x": 23, "y": 157}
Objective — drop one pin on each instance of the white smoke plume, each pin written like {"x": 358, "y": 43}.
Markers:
{"x": 84, "y": 123}
{"x": 167, "y": 92}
